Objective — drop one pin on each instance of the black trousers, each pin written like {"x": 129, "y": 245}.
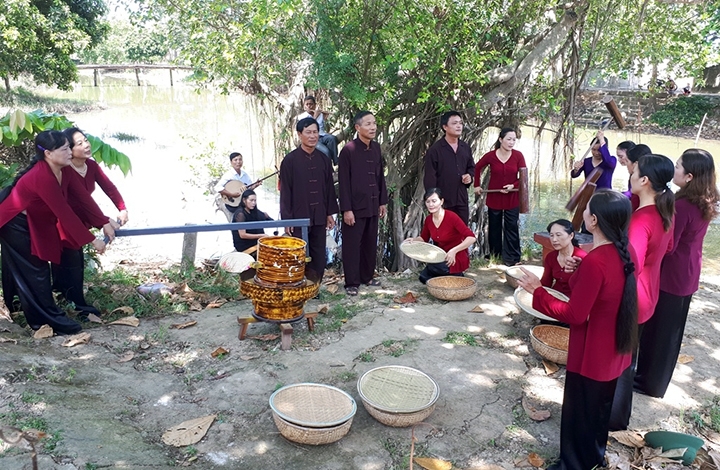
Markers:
{"x": 432, "y": 270}
{"x": 584, "y": 422}
{"x": 316, "y": 243}
{"x": 463, "y": 211}
{"x": 622, "y": 403}
{"x": 504, "y": 234}
{"x": 28, "y": 277}
{"x": 359, "y": 251}
{"x": 69, "y": 277}
{"x": 660, "y": 344}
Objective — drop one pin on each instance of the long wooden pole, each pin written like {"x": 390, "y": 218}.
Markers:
{"x": 697, "y": 137}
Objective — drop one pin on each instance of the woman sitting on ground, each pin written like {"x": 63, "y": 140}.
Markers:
{"x": 245, "y": 239}
{"x": 447, "y": 231}
{"x": 557, "y": 271}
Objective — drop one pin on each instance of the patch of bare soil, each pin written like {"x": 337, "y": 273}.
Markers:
{"x": 107, "y": 403}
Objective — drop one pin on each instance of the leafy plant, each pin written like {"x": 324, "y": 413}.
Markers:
{"x": 683, "y": 111}
{"x": 460, "y": 338}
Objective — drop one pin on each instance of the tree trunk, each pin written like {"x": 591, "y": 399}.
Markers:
{"x": 6, "y": 78}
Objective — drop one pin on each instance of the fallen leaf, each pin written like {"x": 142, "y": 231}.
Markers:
{"x": 629, "y": 438}
{"x": 180, "y": 326}
{"x": 74, "y": 340}
{"x": 674, "y": 453}
{"x": 7, "y": 340}
{"x": 490, "y": 296}
{"x": 332, "y": 288}
{"x": 408, "y": 298}
{"x": 5, "y": 314}
{"x": 534, "y": 413}
{"x": 214, "y": 305}
{"x": 186, "y": 289}
{"x": 535, "y": 460}
{"x": 127, "y": 321}
{"x": 477, "y": 309}
{"x": 195, "y": 307}
{"x": 685, "y": 358}
{"x": 550, "y": 367}
{"x": 45, "y": 331}
{"x": 248, "y": 358}
{"x": 715, "y": 456}
{"x": 432, "y": 464}
{"x": 267, "y": 337}
{"x": 126, "y": 357}
{"x": 219, "y": 351}
{"x": 323, "y": 308}
{"x": 126, "y": 310}
{"x": 94, "y": 318}
{"x": 188, "y": 432}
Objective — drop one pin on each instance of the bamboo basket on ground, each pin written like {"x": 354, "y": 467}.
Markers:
{"x": 551, "y": 342}
{"x": 451, "y": 287}
{"x": 313, "y": 414}
{"x": 398, "y": 396}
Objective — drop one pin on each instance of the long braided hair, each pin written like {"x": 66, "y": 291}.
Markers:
{"x": 613, "y": 211}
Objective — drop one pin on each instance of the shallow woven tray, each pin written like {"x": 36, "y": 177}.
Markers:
{"x": 524, "y": 300}
{"x": 398, "y": 389}
{"x": 313, "y": 405}
{"x": 311, "y": 436}
{"x": 513, "y": 273}
{"x": 398, "y": 420}
{"x": 235, "y": 262}
{"x": 551, "y": 342}
{"x": 425, "y": 252}
{"x": 451, "y": 287}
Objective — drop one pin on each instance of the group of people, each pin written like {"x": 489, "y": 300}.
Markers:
{"x": 629, "y": 296}
{"x": 45, "y": 220}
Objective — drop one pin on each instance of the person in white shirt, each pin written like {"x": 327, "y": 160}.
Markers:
{"x": 234, "y": 174}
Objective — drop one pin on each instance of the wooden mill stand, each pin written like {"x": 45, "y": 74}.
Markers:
{"x": 286, "y": 329}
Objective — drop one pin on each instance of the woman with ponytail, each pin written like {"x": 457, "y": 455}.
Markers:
{"x": 696, "y": 204}
{"x": 36, "y": 220}
{"x": 504, "y": 203}
{"x": 650, "y": 236}
{"x": 602, "y": 314}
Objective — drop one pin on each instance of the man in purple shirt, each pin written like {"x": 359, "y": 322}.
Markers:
{"x": 601, "y": 158}
{"x": 449, "y": 165}
{"x": 363, "y": 200}
{"x": 307, "y": 192}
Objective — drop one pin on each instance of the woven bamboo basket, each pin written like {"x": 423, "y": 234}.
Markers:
{"x": 513, "y": 273}
{"x": 451, "y": 287}
{"x": 551, "y": 342}
{"x": 281, "y": 260}
{"x": 311, "y": 436}
{"x": 398, "y": 396}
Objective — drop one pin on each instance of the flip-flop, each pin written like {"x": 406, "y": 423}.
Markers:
{"x": 351, "y": 291}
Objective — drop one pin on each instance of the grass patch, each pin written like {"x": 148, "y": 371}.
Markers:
{"x": 347, "y": 376}
{"x": 125, "y": 137}
{"x": 335, "y": 317}
{"x": 20, "y": 97}
{"x": 460, "y": 338}
{"x": 708, "y": 416}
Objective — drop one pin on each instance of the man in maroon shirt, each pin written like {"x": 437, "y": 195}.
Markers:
{"x": 449, "y": 165}
{"x": 307, "y": 191}
{"x": 363, "y": 199}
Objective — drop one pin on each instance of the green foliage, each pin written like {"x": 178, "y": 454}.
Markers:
{"x": 20, "y": 128}
{"x": 682, "y": 111}
{"x": 129, "y": 43}
{"x": 460, "y": 338}
{"x": 39, "y": 37}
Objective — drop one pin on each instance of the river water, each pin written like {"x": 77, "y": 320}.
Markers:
{"x": 179, "y": 133}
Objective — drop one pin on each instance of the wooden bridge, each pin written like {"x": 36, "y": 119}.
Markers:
{"x": 136, "y": 67}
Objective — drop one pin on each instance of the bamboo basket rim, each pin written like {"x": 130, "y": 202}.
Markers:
{"x": 310, "y": 435}
{"x": 551, "y": 342}
{"x": 423, "y": 251}
{"x": 515, "y": 272}
{"x": 281, "y": 243}
{"x": 398, "y": 420}
{"x": 451, "y": 287}
{"x": 523, "y": 299}
{"x": 398, "y": 389}
{"x": 313, "y": 405}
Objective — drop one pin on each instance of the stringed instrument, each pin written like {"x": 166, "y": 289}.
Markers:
{"x": 236, "y": 186}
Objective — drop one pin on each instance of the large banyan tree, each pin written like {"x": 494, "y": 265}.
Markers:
{"x": 498, "y": 62}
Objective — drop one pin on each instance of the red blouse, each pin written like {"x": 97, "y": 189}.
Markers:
{"x": 451, "y": 232}
{"x": 51, "y": 220}
{"x": 96, "y": 175}
{"x": 556, "y": 273}
{"x": 501, "y": 174}
{"x": 650, "y": 242}
{"x": 592, "y": 311}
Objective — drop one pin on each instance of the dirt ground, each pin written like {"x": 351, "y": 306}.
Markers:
{"x": 102, "y": 410}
